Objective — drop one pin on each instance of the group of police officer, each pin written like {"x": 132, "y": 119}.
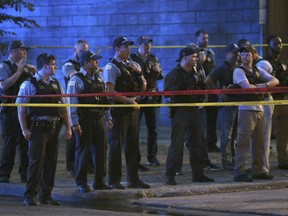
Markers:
{"x": 89, "y": 130}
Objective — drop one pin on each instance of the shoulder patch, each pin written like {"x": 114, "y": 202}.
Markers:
{"x": 1, "y": 65}
{"x": 108, "y": 67}
{"x": 68, "y": 64}
{"x": 23, "y": 85}
{"x": 71, "y": 83}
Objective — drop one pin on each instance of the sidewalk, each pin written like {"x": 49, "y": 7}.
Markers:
{"x": 65, "y": 189}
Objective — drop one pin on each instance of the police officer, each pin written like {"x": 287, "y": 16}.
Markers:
{"x": 41, "y": 126}
{"x": 152, "y": 72}
{"x": 70, "y": 66}
{"x": 88, "y": 123}
{"x": 280, "y": 68}
{"x": 123, "y": 75}
{"x": 186, "y": 121}
{"x": 207, "y": 60}
{"x": 13, "y": 72}
{"x": 222, "y": 76}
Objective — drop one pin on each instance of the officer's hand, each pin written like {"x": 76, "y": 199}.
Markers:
{"x": 77, "y": 129}
{"x": 100, "y": 70}
{"x": 27, "y": 134}
{"x": 31, "y": 68}
{"x": 21, "y": 65}
{"x": 136, "y": 107}
{"x": 134, "y": 67}
{"x": 68, "y": 133}
{"x": 202, "y": 57}
{"x": 109, "y": 124}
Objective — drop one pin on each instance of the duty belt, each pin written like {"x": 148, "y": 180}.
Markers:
{"x": 45, "y": 125}
{"x": 95, "y": 114}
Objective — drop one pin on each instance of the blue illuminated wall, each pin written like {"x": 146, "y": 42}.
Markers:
{"x": 171, "y": 24}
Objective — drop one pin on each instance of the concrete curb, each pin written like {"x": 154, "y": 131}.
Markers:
{"x": 71, "y": 194}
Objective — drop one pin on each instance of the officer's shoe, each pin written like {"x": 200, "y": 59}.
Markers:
{"x": 153, "y": 162}
{"x": 201, "y": 178}
{"x": 283, "y": 166}
{"x": 30, "y": 201}
{"x": 142, "y": 167}
{"x": 85, "y": 188}
{"x": 212, "y": 167}
{"x": 170, "y": 181}
{"x": 263, "y": 176}
{"x": 179, "y": 172}
{"x": 49, "y": 201}
{"x": 117, "y": 186}
{"x": 242, "y": 178}
{"x": 139, "y": 185}
{"x": 102, "y": 186}
{"x": 70, "y": 173}
{"x": 213, "y": 148}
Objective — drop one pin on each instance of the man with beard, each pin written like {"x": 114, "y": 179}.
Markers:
{"x": 280, "y": 67}
{"x": 207, "y": 60}
{"x": 223, "y": 74}
{"x": 152, "y": 72}
{"x": 251, "y": 124}
{"x": 187, "y": 124}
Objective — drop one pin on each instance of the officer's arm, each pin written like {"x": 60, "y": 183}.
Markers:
{"x": 7, "y": 83}
{"x": 135, "y": 67}
{"x": 74, "y": 87}
{"x": 22, "y": 116}
{"x": 65, "y": 117}
{"x": 210, "y": 83}
{"x": 25, "y": 89}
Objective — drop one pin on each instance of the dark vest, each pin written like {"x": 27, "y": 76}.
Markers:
{"x": 92, "y": 86}
{"x": 128, "y": 81}
{"x": 253, "y": 78}
{"x": 147, "y": 69}
{"x": 43, "y": 89}
{"x": 280, "y": 68}
{"x": 209, "y": 63}
{"x": 14, "y": 89}
{"x": 189, "y": 81}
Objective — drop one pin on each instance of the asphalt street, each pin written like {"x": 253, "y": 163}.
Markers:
{"x": 222, "y": 197}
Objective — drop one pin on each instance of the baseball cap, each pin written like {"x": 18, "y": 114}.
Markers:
{"x": 144, "y": 39}
{"x": 248, "y": 48}
{"x": 88, "y": 55}
{"x": 121, "y": 41}
{"x": 232, "y": 48}
{"x": 188, "y": 51}
{"x": 15, "y": 44}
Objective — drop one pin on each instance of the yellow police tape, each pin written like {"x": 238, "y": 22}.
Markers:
{"x": 156, "y": 47}
{"x": 241, "y": 103}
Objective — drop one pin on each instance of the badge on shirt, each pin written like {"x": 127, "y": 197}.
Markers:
{"x": 54, "y": 86}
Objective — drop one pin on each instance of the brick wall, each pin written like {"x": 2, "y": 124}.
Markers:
{"x": 168, "y": 22}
